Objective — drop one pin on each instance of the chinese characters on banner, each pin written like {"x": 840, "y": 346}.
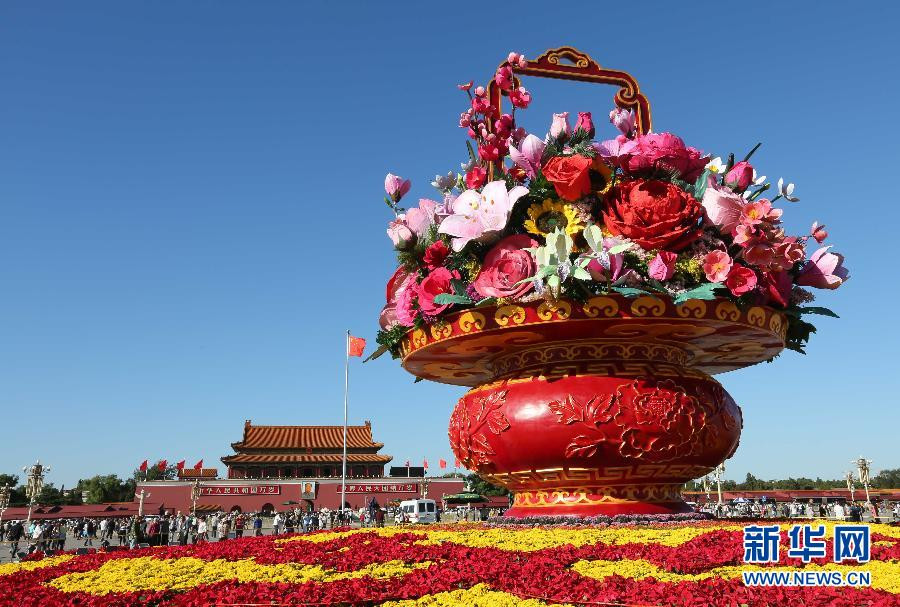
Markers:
{"x": 240, "y": 490}
{"x": 762, "y": 542}
{"x": 383, "y": 488}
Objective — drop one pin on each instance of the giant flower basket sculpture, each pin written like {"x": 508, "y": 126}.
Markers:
{"x": 586, "y": 291}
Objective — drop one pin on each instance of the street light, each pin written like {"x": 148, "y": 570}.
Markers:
{"x": 862, "y": 464}
{"x": 35, "y": 484}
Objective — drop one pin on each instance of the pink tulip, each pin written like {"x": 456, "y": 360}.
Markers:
{"x": 396, "y": 187}
{"x": 585, "y": 123}
{"x": 739, "y": 177}
{"x": 663, "y": 265}
{"x": 623, "y": 120}
{"x": 824, "y": 270}
{"x": 528, "y": 155}
{"x": 559, "y": 128}
{"x": 716, "y": 266}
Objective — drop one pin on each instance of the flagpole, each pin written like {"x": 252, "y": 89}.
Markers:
{"x": 346, "y": 392}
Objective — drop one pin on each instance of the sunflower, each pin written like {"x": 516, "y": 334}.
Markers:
{"x": 547, "y": 216}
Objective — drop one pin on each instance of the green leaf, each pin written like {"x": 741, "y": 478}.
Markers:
{"x": 704, "y": 291}
{"x": 751, "y": 152}
{"x": 580, "y": 273}
{"x": 459, "y": 287}
{"x": 700, "y": 184}
{"x": 449, "y": 298}
{"x": 381, "y": 350}
{"x": 630, "y": 291}
{"x": 818, "y": 310}
{"x": 621, "y": 248}
{"x": 489, "y": 301}
{"x": 472, "y": 156}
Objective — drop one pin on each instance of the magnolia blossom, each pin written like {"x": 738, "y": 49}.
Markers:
{"x": 476, "y": 214}
{"x": 421, "y": 218}
{"x": 528, "y": 155}
{"x": 396, "y": 187}
{"x": 716, "y": 266}
{"x": 445, "y": 183}
{"x": 824, "y": 270}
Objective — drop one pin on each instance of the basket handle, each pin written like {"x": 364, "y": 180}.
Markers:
{"x": 583, "y": 69}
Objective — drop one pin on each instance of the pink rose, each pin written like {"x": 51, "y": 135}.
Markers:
{"x": 740, "y": 280}
{"x": 433, "y": 285}
{"x": 716, "y": 266}
{"x": 559, "y": 128}
{"x": 663, "y": 265}
{"x": 504, "y": 266}
{"x": 585, "y": 123}
{"x": 824, "y": 270}
{"x": 400, "y": 233}
{"x": 723, "y": 208}
{"x": 435, "y": 255}
{"x": 405, "y": 311}
{"x": 740, "y": 176}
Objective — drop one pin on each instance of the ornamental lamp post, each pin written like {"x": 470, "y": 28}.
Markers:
{"x": 4, "y": 500}
{"x": 195, "y": 495}
{"x": 34, "y": 485}
{"x": 718, "y": 472}
{"x": 862, "y": 464}
{"x": 141, "y": 497}
{"x": 707, "y": 487}
{"x": 850, "y": 486}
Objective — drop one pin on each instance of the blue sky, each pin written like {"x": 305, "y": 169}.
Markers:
{"x": 192, "y": 216}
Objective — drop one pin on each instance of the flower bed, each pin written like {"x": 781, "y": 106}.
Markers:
{"x": 680, "y": 563}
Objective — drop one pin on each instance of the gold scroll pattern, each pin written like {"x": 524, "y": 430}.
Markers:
{"x": 594, "y": 496}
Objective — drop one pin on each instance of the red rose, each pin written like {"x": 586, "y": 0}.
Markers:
{"x": 569, "y": 175}
{"x": 433, "y": 285}
{"x": 654, "y": 214}
{"x": 504, "y": 266}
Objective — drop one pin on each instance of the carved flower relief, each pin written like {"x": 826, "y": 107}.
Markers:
{"x": 467, "y": 428}
{"x": 656, "y": 421}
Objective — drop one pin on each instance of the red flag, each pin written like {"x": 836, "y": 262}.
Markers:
{"x": 355, "y": 346}
{"x": 425, "y": 464}
{"x": 456, "y": 463}
{"x": 407, "y": 463}
{"x": 198, "y": 465}
{"x": 442, "y": 463}
{"x": 143, "y": 466}
{"x": 162, "y": 465}
{"x": 180, "y": 465}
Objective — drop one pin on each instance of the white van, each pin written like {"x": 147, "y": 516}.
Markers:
{"x": 417, "y": 511}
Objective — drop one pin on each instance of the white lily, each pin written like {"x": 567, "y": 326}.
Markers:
{"x": 716, "y": 166}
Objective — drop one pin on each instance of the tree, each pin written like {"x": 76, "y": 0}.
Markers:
{"x": 887, "y": 479}
{"x": 106, "y": 488}
{"x": 482, "y": 487}
{"x": 153, "y": 473}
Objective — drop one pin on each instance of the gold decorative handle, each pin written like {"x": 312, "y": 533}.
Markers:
{"x": 551, "y": 64}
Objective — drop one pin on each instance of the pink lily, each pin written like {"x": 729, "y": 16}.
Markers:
{"x": 476, "y": 214}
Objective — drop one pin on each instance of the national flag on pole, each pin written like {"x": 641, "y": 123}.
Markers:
{"x": 425, "y": 464}
{"x": 180, "y": 465}
{"x": 442, "y": 463}
{"x": 355, "y": 345}
{"x": 198, "y": 465}
{"x": 162, "y": 465}
{"x": 143, "y": 466}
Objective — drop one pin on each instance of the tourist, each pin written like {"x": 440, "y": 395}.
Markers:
{"x": 13, "y": 536}
{"x": 86, "y": 533}
{"x": 276, "y": 523}
{"x": 239, "y": 526}
{"x": 201, "y": 531}
{"x": 257, "y": 526}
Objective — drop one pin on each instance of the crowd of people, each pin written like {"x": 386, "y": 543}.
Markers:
{"x": 838, "y": 510}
